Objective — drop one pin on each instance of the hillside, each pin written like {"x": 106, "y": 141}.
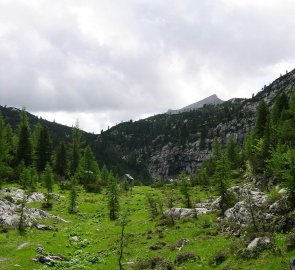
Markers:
{"x": 165, "y": 144}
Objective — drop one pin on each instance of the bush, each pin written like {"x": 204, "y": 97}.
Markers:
{"x": 186, "y": 256}
{"x": 155, "y": 263}
{"x": 219, "y": 258}
{"x": 290, "y": 242}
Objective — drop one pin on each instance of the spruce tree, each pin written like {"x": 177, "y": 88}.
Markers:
{"x": 24, "y": 147}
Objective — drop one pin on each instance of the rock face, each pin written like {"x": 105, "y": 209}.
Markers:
{"x": 213, "y": 99}
{"x": 16, "y": 195}
{"x": 180, "y": 213}
{"x": 170, "y": 159}
{"x": 10, "y": 209}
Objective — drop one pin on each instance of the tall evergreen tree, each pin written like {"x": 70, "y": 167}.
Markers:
{"x": 76, "y": 141}
{"x": 88, "y": 170}
{"x": 221, "y": 179}
{"x": 60, "y": 166}
{"x": 24, "y": 147}
{"x": 261, "y": 119}
{"x": 232, "y": 152}
{"x": 43, "y": 150}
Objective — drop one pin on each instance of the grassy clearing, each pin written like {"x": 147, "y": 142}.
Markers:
{"x": 98, "y": 245}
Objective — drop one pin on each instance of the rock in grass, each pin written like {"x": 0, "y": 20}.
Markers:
{"x": 43, "y": 227}
{"x": 49, "y": 260}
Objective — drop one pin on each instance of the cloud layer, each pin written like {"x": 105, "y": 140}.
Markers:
{"x": 107, "y": 61}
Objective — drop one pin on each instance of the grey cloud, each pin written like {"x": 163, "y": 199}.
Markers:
{"x": 137, "y": 57}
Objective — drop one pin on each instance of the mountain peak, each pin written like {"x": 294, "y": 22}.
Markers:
{"x": 210, "y": 100}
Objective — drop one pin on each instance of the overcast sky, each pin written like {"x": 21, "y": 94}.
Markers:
{"x": 104, "y": 61}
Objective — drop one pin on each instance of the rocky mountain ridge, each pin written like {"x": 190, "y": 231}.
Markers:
{"x": 211, "y": 100}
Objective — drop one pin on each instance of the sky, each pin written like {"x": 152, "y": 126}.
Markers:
{"x": 102, "y": 62}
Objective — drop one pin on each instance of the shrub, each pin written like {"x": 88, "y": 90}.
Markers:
{"x": 218, "y": 258}
{"x": 186, "y": 257}
{"x": 290, "y": 242}
{"x": 157, "y": 262}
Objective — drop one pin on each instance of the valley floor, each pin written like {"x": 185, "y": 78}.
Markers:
{"x": 98, "y": 239}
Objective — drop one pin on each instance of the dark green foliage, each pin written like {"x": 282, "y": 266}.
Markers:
{"x": 24, "y": 147}
{"x": 43, "y": 149}
{"x": 261, "y": 119}
{"x": 221, "y": 179}
{"x": 232, "y": 152}
{"x": 186, "y": 256}
{"x": 76, "y": 142}
{"x": 88, "y": 172}
{"x": 28, "y": 178}
{"x": 61, "y": 160}
{"x": 113, "y": 197}
{"x": 155, "y": 263}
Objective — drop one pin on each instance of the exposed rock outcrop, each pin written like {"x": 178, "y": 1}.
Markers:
{"x": 10, "y": 209}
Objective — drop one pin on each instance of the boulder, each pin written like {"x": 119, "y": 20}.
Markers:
{"x": 259, "y": 242}
{"x": 180, "y": 213}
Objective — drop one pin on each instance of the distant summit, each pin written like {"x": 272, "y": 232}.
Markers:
{"x": 213, "y": 100}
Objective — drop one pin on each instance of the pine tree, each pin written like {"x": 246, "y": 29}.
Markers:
{"x": 43, "y": 150}
{"x": 113, "y": 197}
{"x": 24, "y": 147}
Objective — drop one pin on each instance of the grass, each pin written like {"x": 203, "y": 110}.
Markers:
{"x": 98, "y": 245}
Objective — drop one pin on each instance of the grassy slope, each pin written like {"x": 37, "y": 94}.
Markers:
{"x": 102, "y": 237}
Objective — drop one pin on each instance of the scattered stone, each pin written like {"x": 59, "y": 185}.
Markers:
{"x": 40, "y": 250}
{"x": 259, "y": 242}
{"x": 74, "y": 238}
{"x": 21, "y": 246}
{"x": 10, "y": 211}
{"x": 43, "y": 227}
{"x": 180, "y": 244}
{"x": 180, "y": 213}
{"x": 49, "y": 260}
